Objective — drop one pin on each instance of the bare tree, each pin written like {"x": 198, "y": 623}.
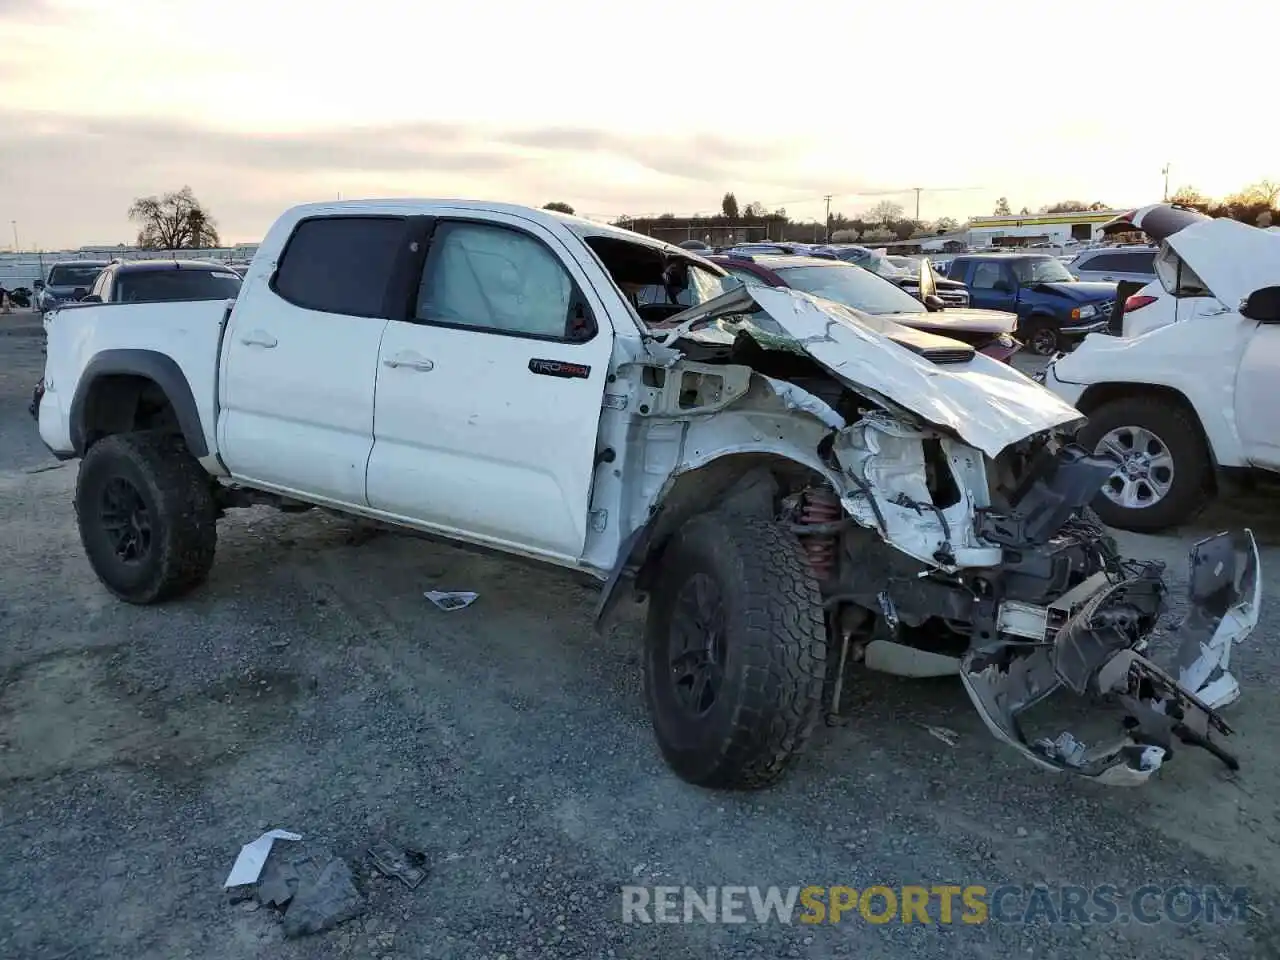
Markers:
{"x": 1002, "y": 207}
{"x": 1191, "y": 197}
{"x": 1064, "y": 206}
{"x": 559, "y": 207}
{"x": 885, "y": 212}
{"x": 174, "y": 221}
{"x": 756, "y": 209}
{"x": 1263, "y": 194}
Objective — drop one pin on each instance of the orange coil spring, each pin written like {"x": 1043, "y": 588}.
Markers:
{"x": 820, "y": 506}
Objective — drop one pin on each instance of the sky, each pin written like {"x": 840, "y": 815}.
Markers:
{"x": 621, "y": 108}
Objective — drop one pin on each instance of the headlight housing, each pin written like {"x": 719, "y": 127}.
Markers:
{"x": 1087, "y": 312}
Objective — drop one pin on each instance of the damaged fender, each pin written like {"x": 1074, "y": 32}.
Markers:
{"x": 1092, "y": 646}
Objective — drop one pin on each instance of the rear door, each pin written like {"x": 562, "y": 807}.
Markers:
{"x": 300, "y": 358}
{"x": 489, "y": 388}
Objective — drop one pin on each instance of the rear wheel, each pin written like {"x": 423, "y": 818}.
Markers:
{"x": 1165, "y": 475}
{"x": 147, "y": 516}
{"x": 735, "y": 652}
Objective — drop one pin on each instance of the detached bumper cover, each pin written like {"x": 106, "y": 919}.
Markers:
{"x": 1093, "y": 644}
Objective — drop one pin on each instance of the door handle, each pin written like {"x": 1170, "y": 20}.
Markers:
{"x": 410, "y": 360}
{"x": 259, "y": 338}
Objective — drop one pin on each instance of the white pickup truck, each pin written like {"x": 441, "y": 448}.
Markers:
{"x": 800, "y": 490}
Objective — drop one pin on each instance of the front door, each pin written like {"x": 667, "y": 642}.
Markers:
{"x": 1257, "y": 391}
{"x": 489, "y": 392}
{"x": 992, "y": 286}
{"x": 300, "y": 359}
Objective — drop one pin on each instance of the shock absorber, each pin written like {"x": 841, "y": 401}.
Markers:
{"x": 820, "y": 507}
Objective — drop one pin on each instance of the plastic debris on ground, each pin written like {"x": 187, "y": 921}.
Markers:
{"x": 451, "y": 599}
{"x": 945, "y": 734}
{"x": 406, "y": 865}
{"x": 253, "y": 856}
{"x": 312, "y": 888}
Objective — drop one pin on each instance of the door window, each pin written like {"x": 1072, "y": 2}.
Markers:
{"x": 500, "y": 280}
{"x": 340, "y": 264}
{"x": 985, "y": 275}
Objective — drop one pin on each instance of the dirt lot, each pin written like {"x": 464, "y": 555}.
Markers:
{"x": 310, "y": 686}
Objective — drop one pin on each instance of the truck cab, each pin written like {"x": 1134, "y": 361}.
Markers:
{"x": 1055, "y": 311}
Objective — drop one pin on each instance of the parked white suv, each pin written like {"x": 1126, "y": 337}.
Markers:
{"x": 797, "y": 487}
{"x": 1115, "y": 264}
{"x": 1183, "y": 398}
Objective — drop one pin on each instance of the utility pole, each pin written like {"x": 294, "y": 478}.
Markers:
{"x": 917, "y": 190}
{"x": 828, "y": 199}
{"x": 1165, "y": 171}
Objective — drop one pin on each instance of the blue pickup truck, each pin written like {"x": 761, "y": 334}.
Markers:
{"x": 1055, "y": 310}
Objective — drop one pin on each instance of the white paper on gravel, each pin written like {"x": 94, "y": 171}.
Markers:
{"x": 253, "y": 857}
{"x": 451, "y": 599}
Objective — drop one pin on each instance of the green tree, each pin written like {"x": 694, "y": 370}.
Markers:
{"x": 729, "y": 206}
{"x": 559, "y": 207}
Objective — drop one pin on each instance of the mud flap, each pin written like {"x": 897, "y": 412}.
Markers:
{"x": 1092, "y": 649}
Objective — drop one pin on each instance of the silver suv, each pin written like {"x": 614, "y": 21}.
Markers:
{"x": 1116, "y": 264}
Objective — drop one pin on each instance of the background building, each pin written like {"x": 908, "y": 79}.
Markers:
{"x": 1080, "y": 226}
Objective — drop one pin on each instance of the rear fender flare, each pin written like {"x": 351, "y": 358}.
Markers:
{"x": 162, "y": 370}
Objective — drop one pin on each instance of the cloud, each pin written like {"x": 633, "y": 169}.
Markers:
{"x": 70, "y": 178}
{"x": 26, "y": 11}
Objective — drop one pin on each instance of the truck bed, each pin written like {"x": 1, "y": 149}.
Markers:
{"x": 187, "y": 334}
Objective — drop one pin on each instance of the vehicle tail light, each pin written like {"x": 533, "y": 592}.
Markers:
{"x": 1137, "y": 302}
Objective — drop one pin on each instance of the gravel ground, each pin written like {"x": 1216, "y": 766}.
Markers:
{"x": 310, "y": 686}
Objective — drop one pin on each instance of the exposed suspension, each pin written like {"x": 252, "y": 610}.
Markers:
{"x": 820, "y": 509}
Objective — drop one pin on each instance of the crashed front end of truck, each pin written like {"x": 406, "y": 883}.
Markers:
{"x": 952, "y": 535}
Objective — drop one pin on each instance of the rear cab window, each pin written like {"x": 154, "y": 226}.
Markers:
{"x": 341, "y": 264}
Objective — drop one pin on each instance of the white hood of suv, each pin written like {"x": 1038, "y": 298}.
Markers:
{"x": 1232, "y": 258}
{"x": 988, "y": 404}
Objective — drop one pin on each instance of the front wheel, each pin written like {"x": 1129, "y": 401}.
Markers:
{"x": 735, "y": 652}
{"x": 147, "y": 516}
{"x": 1165, "y": 475}
{"x": 1040, "y": 337}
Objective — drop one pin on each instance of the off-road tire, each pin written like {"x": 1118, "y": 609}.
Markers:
{"x": 1192, "y": 486}
{"x": 1037, "y": 325}
{"x": 178, "y": 496}
{"x": 775, "y": 648}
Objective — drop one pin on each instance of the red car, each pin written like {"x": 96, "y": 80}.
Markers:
{"x": 989, "y": 331}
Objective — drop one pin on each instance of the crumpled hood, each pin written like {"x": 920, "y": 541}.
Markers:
{"x": 988, "y": 404}
{"x": 1232, "y": 258}
{"x": 1083, "y": 291}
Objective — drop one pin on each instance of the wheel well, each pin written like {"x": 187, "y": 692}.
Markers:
{"x": 744, "y": 485}
{"x": 122, "y": 403}
{"x": 1099, "y": 394}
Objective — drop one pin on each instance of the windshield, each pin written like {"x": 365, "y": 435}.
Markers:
{"x": 73, "y": 275}
{"x": 150, "y": 286}
{"x": 852, "y": 286}
{"x": 1041, "y": 270}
